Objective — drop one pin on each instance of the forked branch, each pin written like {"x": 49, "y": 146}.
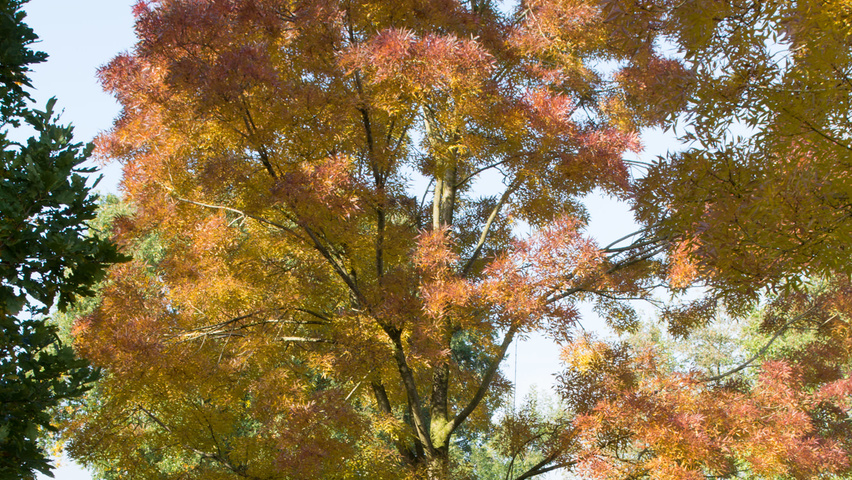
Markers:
{"x": 763, "y": 350}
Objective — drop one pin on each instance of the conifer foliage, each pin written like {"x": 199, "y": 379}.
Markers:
{"x": 46, "y": 257}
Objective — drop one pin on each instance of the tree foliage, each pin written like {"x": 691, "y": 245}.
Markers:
{"x": 269, "y": 148}
{"x": 46, "y": 257}
{"x": 294, "y": 311}
{"x": 753, "y": 209}
{"x": 761, "y": 196}
{"x": 777, "y": 407}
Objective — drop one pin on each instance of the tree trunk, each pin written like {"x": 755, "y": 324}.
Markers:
{"x": 438, "y": 467}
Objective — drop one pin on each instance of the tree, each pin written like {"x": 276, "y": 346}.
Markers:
{"x": 269, "y": 147}
{"x": 46, "y": 258}
{"x": 752, "y": 216}
{"x": 778, "y": 407}
{"x": 761, "y": 196}
{"x": 303, "y": 315}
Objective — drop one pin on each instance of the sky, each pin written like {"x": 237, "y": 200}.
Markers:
{"x": 81, "y": 35}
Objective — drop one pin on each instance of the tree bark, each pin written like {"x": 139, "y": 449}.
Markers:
{"x": 438, "y": 467}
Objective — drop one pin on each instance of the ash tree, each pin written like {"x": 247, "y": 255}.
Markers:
{"x": 294, "y": 311}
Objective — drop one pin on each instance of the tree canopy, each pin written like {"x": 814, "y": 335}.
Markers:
{"x": 344, "y": 212}
{"x": 46, "y": 257}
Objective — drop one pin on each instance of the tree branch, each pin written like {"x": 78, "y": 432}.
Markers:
{"x": 629, "y": 235}
{"x": 817, "y": 130}
{"x": 410, "y": 386}
{"x": 537, "y": 469}
{"x": 486, "y": 379}
{"x": 763, "y": 350}
{"x": 480, "y": 170}
{"x": 233, "y": 210}
{"x": 350, "y": 282}
{"x": 218, "y": 457}
{"x": 584, "y": 286}
{"x": 312, "y": 313}
{"x": 384, "y": 405}
{"x": 252, "y": 128}
{"x": 487, "y": 228}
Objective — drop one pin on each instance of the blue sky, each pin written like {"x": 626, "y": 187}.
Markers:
{"x": 81, "y": 35}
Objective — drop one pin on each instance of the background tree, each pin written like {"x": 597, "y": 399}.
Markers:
{"x": 46, "y": 257}
{"x": 777, "y": 407}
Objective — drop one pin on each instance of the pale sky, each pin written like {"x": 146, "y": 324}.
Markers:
{"x": 81, "y": 35}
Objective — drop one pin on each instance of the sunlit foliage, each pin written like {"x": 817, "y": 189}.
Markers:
{"x": 346, "y": 211}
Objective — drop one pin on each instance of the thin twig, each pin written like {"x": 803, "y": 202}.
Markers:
{"x": 762, "y": 351}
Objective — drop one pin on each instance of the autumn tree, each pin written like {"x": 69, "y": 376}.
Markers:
{"x": 305, "y": 315}
{"x": 760, "y": 198}
{"x": 776, "y": 407}
{"x": 46, "y": 256}
{"x": 308, "y": 316}
{"x": 755, "y": 211}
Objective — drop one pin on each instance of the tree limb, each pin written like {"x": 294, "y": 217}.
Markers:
{"x": 487, "y": 228}
{"x": 233, "y": 210}
{"x": 537, "y": 469}
{"x": 763, "y": 350}
{"x": 350, "y": 282}
{"x": 486, "y": 379}
{"x": 410, "y": 386}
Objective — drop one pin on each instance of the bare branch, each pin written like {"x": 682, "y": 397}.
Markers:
{"x": 640, "y": 244}
{"x": 303, "y": 340}
{"x": 624, "y": 263}
{"x": 629, "y": 235}
{"x": 232, "y": 326}
{"x": 537, "y": 469}
{"x": 480, "y": 170}
{"x": 384, "y": 405}
{"x": 233, "y": 210}
{"x": 763, "y": 350}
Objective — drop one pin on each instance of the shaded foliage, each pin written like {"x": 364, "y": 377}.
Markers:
{"x": 46, "y": 257}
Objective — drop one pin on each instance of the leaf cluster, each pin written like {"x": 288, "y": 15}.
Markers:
{"x": 15, "y": 58}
